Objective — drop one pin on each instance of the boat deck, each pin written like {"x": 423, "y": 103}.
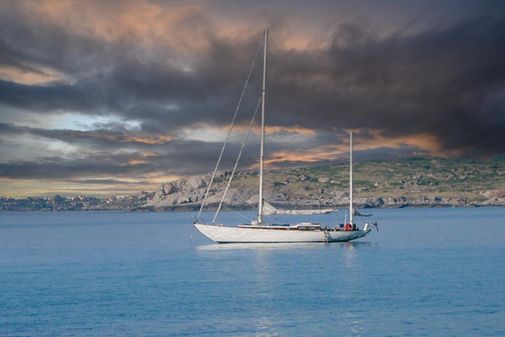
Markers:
{"x": 304, "y": 226}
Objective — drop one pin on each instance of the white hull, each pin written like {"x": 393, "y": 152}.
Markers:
{"x": 222, "y": 234}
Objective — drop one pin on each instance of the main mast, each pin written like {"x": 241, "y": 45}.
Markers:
{"x": 263, "y": 94}
{"x": 351, "y": 210}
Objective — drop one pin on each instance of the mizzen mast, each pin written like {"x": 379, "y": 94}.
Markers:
{"x": 351, "y": 210}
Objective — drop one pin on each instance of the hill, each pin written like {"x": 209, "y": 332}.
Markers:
{"x": 398, "y": 183}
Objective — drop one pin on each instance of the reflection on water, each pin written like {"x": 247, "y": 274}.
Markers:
{"x": 264, "y": 281}
{"x": 264, "y": 327}
{"x": 356, "y": 324}
{"x": 262, "y": 246}
{"x": 282, "y": 245}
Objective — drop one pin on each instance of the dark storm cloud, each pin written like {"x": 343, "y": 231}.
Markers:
{"x": 56, "y": 96}
{"x": 448, "y": 82}
{"x": 106, "y": 182}
{"x": 115, "y": 138}
{"x": 174, "y": 157}
{"x": 157, "y": 94}
{"x": 27, "y": 42}
{"x": 116, "y": 77}
{"x": 98, "y": 164}
{"x": 379, "y": 153}
{"x": 110, "y": 164}
{"x": 147, "y": 153}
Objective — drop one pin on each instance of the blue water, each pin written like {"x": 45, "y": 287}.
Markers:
{"x": 427, "y": 272}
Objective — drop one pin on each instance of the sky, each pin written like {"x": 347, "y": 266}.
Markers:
{"x": 113, "y": 97}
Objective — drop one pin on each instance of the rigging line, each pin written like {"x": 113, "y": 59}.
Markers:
{"x": 238, "y": 159}
{"x": 229, "y": 131}
{"x": 237, "y": 213}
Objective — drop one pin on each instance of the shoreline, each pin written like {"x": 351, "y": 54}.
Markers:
{"x": 231, "y": 209}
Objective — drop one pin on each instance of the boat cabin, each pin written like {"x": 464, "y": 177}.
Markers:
{"x": 303, "y": 226}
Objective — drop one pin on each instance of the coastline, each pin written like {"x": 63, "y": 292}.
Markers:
{"x": 193, "y": 208}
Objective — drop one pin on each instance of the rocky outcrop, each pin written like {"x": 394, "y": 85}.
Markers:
{"x": 189, "y": 193}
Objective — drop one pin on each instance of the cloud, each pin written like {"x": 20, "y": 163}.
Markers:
{"x": 177, "y": 68}
{"x": 176, "y": 158}
{"x": 440, "y": 82}
{"x": 100, "y": 137}
{"x": 97, "y": 164}
{"x": 107, "y": 182}
{"x": 417, "y": 83}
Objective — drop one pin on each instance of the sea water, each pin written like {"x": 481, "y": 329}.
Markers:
{"x": 427, "y": 272}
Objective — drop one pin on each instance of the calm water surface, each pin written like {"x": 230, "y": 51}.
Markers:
{"x": 427, "y": 272}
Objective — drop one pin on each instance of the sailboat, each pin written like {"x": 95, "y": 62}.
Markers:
{"x": 259, "y": 231}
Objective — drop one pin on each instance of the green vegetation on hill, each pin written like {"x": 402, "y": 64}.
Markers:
{"x": 414, "y": 176}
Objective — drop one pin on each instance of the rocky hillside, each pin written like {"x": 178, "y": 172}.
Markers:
{"x": 408, "y": 182}
{"x": 399, "y": 183}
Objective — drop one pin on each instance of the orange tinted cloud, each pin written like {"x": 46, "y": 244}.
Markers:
{"x": 148, "y": 22}
{"x": 295, "y": 129}
{"x": 422, "y": 141}
{"x": 147, "y": 139}
{"x": 123, "y": 138}
{"x": 142, "y": 158}
{"x": 29, "y": 76}
{"x": 310, "y": 156}
{"x": 185, "y": 25}
{"x": 273, "y": 130}
{"x": 377, "y": 140}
